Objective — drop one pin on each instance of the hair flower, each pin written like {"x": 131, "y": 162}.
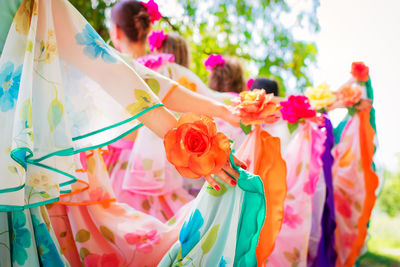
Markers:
{"x": 250, "y": 83}
{"x": 214, "y": 60}
{"x": 154, "y": 62}
{"x": 152, "y": 8}
{"x": 360, "y": 71}
{"x": 156, "y": 39}
{"x": 195, "y": 147}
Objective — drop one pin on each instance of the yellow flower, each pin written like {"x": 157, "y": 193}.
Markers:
{"x": 320, "y": 96}
{"x": 24, "y": 14}
{"x": 41, "y": 181}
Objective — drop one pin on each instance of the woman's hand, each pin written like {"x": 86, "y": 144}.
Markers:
{"x": 227, "y": 115}
{"x": 223, "y": 174}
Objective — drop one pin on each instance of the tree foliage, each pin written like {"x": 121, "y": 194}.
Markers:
{"x": 389, "y": 198}
{"x": 266, "y": 34}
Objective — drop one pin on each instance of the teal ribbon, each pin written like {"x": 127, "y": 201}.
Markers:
{"x": 252, "y": 216}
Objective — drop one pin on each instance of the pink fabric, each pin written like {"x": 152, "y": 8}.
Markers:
{"x": 146, "y": 181}
{"x": 303, "y": 157}
{"x": 155, "y": 61}
{"x": 107, "y": 230}
{"x": 114, "y": 151}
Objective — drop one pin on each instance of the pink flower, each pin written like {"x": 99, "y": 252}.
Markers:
{"x": 156, "y": 39}
{"x": 295, "y": 108}
{"x": 105, "y": 260}
{"x": 342, "y": 205}
{"x": 144, "y": 241}
{"x": 155, "y": 61}
{"x": 152, "y": 8}
{"x": 214, "y": 60}
{"x": 348, "y": 239}
{"x": 250, "y": 83}
{"x": 290, "y": 218}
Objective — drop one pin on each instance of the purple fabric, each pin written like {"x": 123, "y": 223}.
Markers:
{"x": 326, "y": 255}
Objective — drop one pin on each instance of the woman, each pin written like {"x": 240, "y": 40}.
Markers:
{"x": 51, "y": 74}
{"x": 151, "y": 184}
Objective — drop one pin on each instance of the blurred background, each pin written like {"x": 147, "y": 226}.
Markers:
{"x": 302, "y": 43}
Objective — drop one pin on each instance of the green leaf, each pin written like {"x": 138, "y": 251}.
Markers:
{"x": 154, "y": 85}
{"x": 124, "y": 165}
{"x": 209, "y": 241}
{"x": 147, "y": 164}
{"x": 12, "y": 169}
{"x": 26, "y": 113}
{"x": 171, "y": 221}
{"x": 107, "y": 233}
{"x": 292, "y": 127}
{"x": 84, "y": 252}
{"x": 54, "y": 116}
{"x": 82, "y": 236}
{"x": 44, "y": 195}
{"x": 246, "y": 128}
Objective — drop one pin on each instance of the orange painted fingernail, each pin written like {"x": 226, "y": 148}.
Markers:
{"x": 216, "y": 187}
{"x": 233, "y": 182}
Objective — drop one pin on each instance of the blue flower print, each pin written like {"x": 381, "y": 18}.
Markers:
{"x": 190, "y": 234}
{"x": 48, "y": 253}
{"x": 21, "y": 237}
{"x": 222, "y": 262}
{"x": 9, "y": 85}
{"x": 94, "y": 46}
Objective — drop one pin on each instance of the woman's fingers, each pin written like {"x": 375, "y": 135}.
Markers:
{"x": 239, "y": 163}
{"x": 212, "y": 182}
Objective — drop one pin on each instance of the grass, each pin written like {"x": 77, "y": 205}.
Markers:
{"x": 383, "y": 241}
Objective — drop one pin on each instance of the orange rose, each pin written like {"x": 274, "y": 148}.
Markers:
{"x": 350, "y": 94}
{"x": 255, "y": 107}
{"x": 360, "y": 71}
{"x": 195, "y": 147}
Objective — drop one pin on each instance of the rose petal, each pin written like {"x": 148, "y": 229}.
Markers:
{"x": 189, "y": 117}
{"x": 174, "y": 151}
{"x": 202, "y": 165}
{"x": 187, "y": 172}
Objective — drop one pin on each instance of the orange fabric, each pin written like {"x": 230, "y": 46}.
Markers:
{"x": 272, "y": 169}
{"x": 173, "y": 87}
{"x": 367, "y": 134}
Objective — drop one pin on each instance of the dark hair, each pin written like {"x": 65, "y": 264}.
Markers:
{"x": 228, "y": 77}
{"x": 178, "y": 46}
{"x": 132, "y": 18}
{"x": 268, "y": 85}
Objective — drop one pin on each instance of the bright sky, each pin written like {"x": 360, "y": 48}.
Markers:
{"x": 369, "y": 31}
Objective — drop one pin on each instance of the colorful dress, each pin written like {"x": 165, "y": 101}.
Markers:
{"x": 142, "y": 177}
{"x": 58, "y": 104}
{"x": 302, "y": 152}
{"x": 354, "y": 183}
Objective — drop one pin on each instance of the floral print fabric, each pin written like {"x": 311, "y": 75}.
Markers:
{"x": 49, "y": 78}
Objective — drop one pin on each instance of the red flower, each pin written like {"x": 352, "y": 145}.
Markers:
{"x": 360, "y": 71}
{"x": 105, "y": 260}
{"x": 195, "y": 147}
{"x": 296, "y": 107}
